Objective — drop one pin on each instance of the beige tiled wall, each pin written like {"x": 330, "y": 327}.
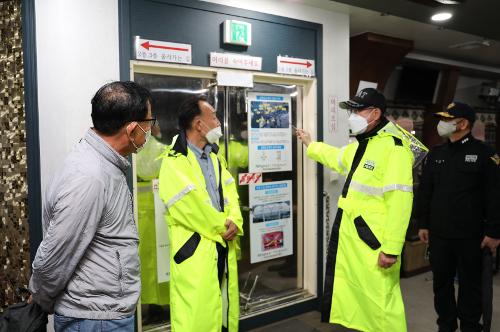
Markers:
{"x": 14, "y": 236}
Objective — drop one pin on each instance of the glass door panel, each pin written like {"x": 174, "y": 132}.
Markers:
{"x": 271, "y": 282}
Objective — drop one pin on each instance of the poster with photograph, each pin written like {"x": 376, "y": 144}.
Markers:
{"x": 271, "y": 229}
{"x": 270, "y": 132}
{"x": 162, "y": 240}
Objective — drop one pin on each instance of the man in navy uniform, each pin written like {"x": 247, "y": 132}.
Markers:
{"x": 459, "y": 215}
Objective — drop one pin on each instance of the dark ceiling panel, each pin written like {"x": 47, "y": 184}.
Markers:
{"x": 428, "y": 3}
{"x": 477, "y": 17}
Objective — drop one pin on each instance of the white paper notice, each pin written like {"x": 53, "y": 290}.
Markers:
{"x": 162, "y": 240}
{"x": 234, "y": 78}
{"x": 332, "y": 114}
{"x": 271, "y": 229}
{"x": 270, "y": 132}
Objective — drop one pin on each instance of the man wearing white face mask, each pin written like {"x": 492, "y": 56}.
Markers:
{"x": 458, "y": 210}
{"x": 90, "y": 236}
{"x": 204, "y": 220}
{"x": 362, "y": 268}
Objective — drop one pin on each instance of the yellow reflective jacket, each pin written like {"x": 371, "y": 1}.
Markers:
{"x": 197, "y": 301}
{"x": 373, "y": 214}
{"x": 148, "y": 167}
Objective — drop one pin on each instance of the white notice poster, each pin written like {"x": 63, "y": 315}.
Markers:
{"x": 270, "y": 132}
{"x": 162, "y": 241}
{"x": 271, "y": 229}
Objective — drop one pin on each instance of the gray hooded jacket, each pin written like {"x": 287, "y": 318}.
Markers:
{"x": 87, "y": 265}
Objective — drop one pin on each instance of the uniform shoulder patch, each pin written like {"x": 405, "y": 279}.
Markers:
{"x": 397, "y": 141}
{"x": 496, "y": 159}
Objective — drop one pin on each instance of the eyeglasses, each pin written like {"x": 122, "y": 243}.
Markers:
{"x": 152, "y": 120}
{"x": 355, "y": 111}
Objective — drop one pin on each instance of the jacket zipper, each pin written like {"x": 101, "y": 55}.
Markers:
{"x": 120, "y": 273}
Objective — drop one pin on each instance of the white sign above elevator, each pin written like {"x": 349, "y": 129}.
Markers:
{"x": 236, "y": 61}
{"x": 155, "y": 50}
{"x": 295, "y": 66}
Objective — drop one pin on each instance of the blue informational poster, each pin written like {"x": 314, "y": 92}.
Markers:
{"x": 271, "y": 228}
{"x": 270, "y": 132}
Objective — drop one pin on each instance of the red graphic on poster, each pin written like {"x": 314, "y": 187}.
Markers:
{"x": 247, "y": 178}
{"x": 272, "y": 240}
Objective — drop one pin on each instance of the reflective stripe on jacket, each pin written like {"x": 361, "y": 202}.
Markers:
{"x": 198, "y": 301}
{"x": 373, "y": 215}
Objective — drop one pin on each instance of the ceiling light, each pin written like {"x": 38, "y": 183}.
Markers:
{"x": 486, "y": 42}
{"x": 440, "y": 17}
{"x": 449, "y": 2}
{"x": 469, "y": 45}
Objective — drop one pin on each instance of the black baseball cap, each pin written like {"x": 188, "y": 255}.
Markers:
{"x": 458, "y": 110}
{"x": 365, "y": 98}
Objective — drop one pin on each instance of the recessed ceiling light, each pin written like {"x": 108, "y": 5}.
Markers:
{"x": 449, "y": 2}
{"x": 472, "y": 44}
{"x": 440, "y": 17}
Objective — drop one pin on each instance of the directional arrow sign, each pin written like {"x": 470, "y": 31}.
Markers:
{"x": 147, "y": 45}
{"x": 306, "y": 64}
{"x": 154, "y": 50}
{"x": 295, "y": 66}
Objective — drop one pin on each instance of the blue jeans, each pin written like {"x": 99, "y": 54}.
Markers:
{"x": 69, "y": 324}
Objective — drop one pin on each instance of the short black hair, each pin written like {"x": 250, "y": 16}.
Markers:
{"x": 189, "y": 109}
{"x": 117, "y": 103}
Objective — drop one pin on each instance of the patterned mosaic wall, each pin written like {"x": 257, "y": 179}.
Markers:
{"x": 14, "y": 243}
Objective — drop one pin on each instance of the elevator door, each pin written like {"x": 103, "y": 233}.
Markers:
{"x": 265, "y": 283}
{"x": 253, "y": 116}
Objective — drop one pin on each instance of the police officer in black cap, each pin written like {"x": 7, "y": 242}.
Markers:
{"x": 458, "y": 206}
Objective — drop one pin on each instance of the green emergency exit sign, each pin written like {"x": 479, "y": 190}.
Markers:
{"x": 237, "y": 33}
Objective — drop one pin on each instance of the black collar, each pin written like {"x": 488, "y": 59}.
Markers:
{"x": 465, "y": 139}
{"x": 180, "y": 145}
{"x": 383, "y": 122}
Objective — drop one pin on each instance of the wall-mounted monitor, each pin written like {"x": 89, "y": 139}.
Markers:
{"x": 416, "y": 85}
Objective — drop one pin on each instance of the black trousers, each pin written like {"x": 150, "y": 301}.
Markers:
{"x": 461, "y": 258}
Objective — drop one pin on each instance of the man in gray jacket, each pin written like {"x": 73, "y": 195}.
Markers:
{"x": 86, "y": 269}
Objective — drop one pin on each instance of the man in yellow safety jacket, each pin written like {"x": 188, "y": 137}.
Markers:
{"x": 362, "y": 268}
{"x": 204, "y": 219}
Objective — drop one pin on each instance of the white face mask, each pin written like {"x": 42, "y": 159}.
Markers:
{"x": 446, "y": 128}
{"x": 357, "y": 123}
{"x": 213, "y": 134}
{"x": 147, "y": 135}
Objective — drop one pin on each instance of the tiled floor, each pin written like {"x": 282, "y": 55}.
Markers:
{"x": 420, "y": 316}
